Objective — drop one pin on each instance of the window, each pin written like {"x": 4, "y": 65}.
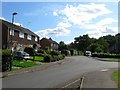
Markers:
{"x": 11, "y": 31}
{"x": 21, "y": 34}
{"x": 36, "y": 39}
{"x": 29, "y": 37}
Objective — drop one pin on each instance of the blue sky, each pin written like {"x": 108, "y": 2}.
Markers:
{"x": 63, "y": 21}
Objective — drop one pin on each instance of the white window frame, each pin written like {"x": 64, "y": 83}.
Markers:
{"x": 29, "y": 37}
{"x": 21, "y": 34}
{"x": 36, "y": 39}
{"x": 11, "y": 31}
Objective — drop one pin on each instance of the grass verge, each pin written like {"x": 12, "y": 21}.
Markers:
{"x": 115, "y": 59}
{"x": 116, "y": 77}
{"x": 37, "y": 58}
{"x": 23, "y": 64}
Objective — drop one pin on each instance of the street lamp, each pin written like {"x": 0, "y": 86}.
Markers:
{"x": 13, "y": 14}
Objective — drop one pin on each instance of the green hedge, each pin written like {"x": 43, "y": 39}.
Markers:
{"x": 6, "y": 60}
{"x": 105, "y": 55}
{"x": 5, "y": 52}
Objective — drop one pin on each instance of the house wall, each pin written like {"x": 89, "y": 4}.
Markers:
{"x": 4, "y": 36}
{"x": 17, "y": 41}
{"x": 44, "y": 43}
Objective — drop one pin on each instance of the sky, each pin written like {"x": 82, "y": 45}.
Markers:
{"x": 63, "y": 21}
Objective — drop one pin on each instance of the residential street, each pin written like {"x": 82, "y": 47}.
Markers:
{"x": 59, "y": 75}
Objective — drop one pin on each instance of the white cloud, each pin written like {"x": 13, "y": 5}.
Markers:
{"x": 64, "y": 24}
{"x": 105, "y": 31}
{"x": 106, "y": 21}
{"x": 84, "y": 13}
{"x": 55, "y": 13}
{"x": 83, "y": 16}
{"x": 58, "y": 31}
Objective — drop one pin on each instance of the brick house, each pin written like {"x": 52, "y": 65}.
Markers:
{"x": 19, "y": 36}
{"x": 48, "y": 43}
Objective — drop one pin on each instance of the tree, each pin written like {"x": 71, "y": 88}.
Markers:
{"x": 62, "y": 46}
{"x": 82, "y": 42}
{"x": 95, "y": 47}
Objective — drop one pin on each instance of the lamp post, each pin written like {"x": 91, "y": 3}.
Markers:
{"x": 13, "y": 14}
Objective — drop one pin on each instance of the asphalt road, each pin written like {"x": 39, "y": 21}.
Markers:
{"x": 58, "y": 75}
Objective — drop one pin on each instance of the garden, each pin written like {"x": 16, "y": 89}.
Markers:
{"x": 45, "y": 56}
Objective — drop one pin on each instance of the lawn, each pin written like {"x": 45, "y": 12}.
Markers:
{"x": 116, "y": 77}
{"x": 112, "y": 59}
{"x": 22, "y": 63}
{"x": 37, "y": 58}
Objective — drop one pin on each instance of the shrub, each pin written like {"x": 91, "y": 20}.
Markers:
{"x": 65, "y": 52}
{"x": 30, "y": 51}
{"x": 6, "y": 60}
{"x": 48, "y": 58}
{"x": 55, "y": 53}
{"x": 41, "y": 51}
{"x": 5, "y": 52}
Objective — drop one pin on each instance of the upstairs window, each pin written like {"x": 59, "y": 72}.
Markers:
{"x": 29, "y": 37}
{"x": 11, "y": 31}
{"x": 36, "y": 39}
{"x": 21, "y": 34}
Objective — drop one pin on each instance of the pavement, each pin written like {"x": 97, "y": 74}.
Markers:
{"x": 96, "y": 79}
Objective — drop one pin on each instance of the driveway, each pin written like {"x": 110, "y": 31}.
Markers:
{"x": 58, "y": 75}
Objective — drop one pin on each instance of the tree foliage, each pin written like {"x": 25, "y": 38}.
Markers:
{"x": 105, "y": 44}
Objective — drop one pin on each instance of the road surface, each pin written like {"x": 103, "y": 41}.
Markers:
{"x": 58, "y": 75}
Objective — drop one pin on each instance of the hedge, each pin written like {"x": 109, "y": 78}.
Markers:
{"x": 105, "y": 55}
{"x": 6, "y": 60}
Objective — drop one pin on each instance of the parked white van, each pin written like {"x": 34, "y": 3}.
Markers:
{"x": 88, "y": 53}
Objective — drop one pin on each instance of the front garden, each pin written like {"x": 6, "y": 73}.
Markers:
{"x": 8, "y": 63}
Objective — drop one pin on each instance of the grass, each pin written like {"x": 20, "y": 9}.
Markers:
{"x": 23, "y": 64}
{"x": 112, "y": 59}
{"x": 37, "y": 58}
{"x": 116, "y": 77}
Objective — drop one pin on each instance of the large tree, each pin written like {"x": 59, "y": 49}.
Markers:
{"x": 82, "y": 42}
{"x": 62, "y": 46}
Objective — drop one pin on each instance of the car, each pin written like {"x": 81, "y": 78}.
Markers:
{"x": 20, "y": 55}
{"x": 88, "y": 53}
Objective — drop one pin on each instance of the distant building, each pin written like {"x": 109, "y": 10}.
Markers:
{"x": 19, "y": 36}
{"x": 48, "y": 43}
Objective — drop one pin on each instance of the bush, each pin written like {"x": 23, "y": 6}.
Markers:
{"x": 30, "y": 51}
{"x": 6, "y": 60}
{"x": 65, "y": 52}
{"x": 41, "y": 51}
{"x": 5, "y": 52}
{"x": 55, "y": 53}
{"x": 48, "y": 58}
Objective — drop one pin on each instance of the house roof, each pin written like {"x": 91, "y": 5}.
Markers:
{"x": 18, "y": 28}
{"x": 49, "y": 40}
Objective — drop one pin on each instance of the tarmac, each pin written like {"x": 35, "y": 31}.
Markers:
{"x": 96, "y": 79}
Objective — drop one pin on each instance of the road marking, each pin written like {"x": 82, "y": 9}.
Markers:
{"x": 81, "y": 83}
{"x": 104, "y": 70}
{"x": 71, "y": 83}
